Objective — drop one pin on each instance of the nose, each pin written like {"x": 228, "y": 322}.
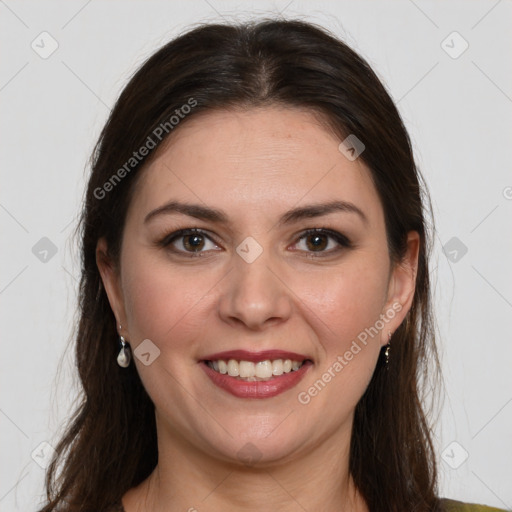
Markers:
{"x": 255, "y": 294}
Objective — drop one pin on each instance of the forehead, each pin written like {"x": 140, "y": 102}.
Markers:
{"x": 245, "y": 161}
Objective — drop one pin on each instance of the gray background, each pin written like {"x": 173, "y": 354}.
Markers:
{"x": 456, "y": 106}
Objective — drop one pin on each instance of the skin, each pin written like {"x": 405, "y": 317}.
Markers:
{"x": 254, "y": 165}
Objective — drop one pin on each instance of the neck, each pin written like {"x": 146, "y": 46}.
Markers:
{"x": 188, "y": 480}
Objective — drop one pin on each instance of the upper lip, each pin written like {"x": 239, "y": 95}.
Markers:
{"x": 245, "y": 355}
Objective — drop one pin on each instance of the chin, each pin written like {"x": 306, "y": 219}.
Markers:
{"x": 259, "y": 445}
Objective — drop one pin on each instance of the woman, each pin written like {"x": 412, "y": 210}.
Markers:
{"x": 255, "y": 300}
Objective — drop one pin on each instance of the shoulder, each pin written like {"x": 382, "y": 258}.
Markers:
{"x": 459, "y": 506}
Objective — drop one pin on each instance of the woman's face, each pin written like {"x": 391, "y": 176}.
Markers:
{"x": 252, "y": 279}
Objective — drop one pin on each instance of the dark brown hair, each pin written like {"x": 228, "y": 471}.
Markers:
{"x": 110, "y": 442}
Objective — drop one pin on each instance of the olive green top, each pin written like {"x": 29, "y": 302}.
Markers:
{"x": 458, "y": 506}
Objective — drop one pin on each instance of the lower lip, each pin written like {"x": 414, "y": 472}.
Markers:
{"x": 256, "y": 389}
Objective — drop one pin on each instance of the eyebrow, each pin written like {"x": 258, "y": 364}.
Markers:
{"x": 219, "y": 216}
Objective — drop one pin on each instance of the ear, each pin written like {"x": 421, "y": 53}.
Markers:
{"x": 401, "y": 287}
{"x": 111, "y": 282}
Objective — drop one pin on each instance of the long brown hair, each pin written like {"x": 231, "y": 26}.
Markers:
{"x": 110, "y": 442}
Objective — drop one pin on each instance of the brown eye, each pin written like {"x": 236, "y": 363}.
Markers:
{"x": 323, "y": 241}
{"x": 317, "y": 242}
{"x": 191, "y": 242}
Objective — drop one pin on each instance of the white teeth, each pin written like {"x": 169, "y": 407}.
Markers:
{"x": 233, "y": 368}
{"x": 246, "y": 369}
{"x": 262, "y": 370}
{"x": 277, "y": 367}
{"x": 223, "y": 366}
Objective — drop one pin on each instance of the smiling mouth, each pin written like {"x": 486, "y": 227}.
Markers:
{"x": 250, "y": 371}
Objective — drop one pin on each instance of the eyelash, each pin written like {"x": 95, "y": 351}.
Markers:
{"x": 342, "y": 240}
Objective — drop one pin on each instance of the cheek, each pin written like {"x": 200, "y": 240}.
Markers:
{"x": 162, "y": 302}
{"x": 347, "y": 300}
{"x": 344, "y": 308}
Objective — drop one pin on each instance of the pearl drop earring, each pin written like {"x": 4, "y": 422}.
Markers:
{"x": 388, "y": 347}
{"x": 125, "y": 356}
